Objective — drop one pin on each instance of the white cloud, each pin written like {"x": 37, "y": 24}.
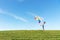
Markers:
{"x": 16, "y": 17}
{"x": 20, "y": 0}
{"x": 1, "y": 11}
{"x": 19, "y": 18}
{"x": 32, "y": 14}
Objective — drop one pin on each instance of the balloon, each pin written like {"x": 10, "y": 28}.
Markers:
{"x": 38, "y": 18}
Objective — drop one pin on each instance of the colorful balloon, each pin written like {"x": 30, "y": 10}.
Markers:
{"x": 38, "y": 18}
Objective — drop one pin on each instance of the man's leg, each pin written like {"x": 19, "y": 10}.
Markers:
{"x": 43, "y": 27}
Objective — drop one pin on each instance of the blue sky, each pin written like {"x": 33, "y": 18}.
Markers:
{"x": 19, "y": 14}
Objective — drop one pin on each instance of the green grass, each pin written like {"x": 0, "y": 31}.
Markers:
{"x": 30, "y": 35}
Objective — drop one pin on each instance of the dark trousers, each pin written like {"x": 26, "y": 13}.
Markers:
{"x": 43, "y": 27}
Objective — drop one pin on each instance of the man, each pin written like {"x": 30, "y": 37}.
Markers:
{"x": 40, "y": 21}
{"x": 43, "y": 25}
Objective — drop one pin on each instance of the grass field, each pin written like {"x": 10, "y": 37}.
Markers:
{"x": 30, "y": 35}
